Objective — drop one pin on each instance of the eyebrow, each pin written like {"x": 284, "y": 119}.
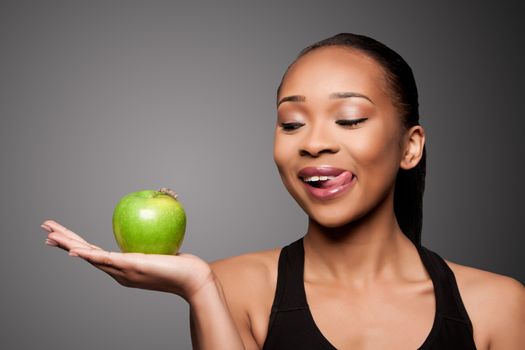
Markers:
{"x": 335, "y": 95}
{"x": 294, "y": 98}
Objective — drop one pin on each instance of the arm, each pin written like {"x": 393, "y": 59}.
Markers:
{"x": 241, "y": 280}
{"x": 508, "y": 316}
{"x": 183, "y": 274}
{"x": 211, "y": 323}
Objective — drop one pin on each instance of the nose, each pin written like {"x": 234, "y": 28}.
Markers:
{"x": 317, "y": 141}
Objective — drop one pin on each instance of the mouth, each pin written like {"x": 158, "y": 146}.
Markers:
{"x": 326, "y": 182}
{"x": 325, "y": 177}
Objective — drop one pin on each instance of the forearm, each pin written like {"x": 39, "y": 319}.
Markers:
{"x": 211, "y": 323}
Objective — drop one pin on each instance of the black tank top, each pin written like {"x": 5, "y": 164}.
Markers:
{"x": 292, "y": 326}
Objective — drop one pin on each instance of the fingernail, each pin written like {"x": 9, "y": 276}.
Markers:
{"x": 72, "y": 254}
{"x": 47, "y": 228}
{"x": 51, "y": 243}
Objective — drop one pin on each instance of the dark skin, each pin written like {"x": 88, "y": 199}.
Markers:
{"x": 357, "y": 259}
{"x": 360, "y": 269}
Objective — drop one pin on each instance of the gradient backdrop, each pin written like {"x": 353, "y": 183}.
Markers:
{"x": 102, "y": 98}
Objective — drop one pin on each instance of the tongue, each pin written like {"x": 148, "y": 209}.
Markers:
{"x": 343, "y": 178}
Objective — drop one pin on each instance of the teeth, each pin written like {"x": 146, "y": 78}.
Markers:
{"x": 317, "y": 178}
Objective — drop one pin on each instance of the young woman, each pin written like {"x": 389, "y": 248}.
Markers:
{"x": 350, "y": 150}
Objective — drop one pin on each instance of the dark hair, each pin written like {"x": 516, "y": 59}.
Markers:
{"x": 410, "y": 184}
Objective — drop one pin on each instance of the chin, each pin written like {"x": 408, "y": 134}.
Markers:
{"x": 331, "y": 218}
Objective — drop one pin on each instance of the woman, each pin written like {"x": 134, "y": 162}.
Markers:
{"x": 350, "y": 150}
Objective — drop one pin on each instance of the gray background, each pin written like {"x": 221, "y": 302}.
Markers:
{"x": 102, "y": 98}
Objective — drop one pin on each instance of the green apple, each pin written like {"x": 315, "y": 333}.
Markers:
{"x": 151, "y": 222}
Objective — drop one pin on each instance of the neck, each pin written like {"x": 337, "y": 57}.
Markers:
{"x": 363, "y": 252}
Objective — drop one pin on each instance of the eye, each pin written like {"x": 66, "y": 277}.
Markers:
{"x": 350, "y": 122}
{"x": 291, "y": 126}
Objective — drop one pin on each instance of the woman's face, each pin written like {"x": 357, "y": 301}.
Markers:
{"x": 320, "y": 94}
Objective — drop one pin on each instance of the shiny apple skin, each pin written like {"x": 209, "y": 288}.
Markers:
{"x": 149, "y": 222}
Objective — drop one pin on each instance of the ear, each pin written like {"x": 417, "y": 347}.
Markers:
{"x": 413, "y": 144}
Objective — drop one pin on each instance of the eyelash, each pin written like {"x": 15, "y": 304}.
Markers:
{"x": 342, "y": 122}
{"x": 350, "y": 122}
{"x": 290, "y": 126}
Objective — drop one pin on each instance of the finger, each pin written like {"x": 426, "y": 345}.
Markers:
{"x": 113, "y": 272}
{"x": 55, "y": 226}
{"x": 101, "y": 257}
{"x": 118, "y": 275}
{"x": 51, "y": 242}
{"x": 66, "y": 243}
{"x": 70, "y": 238}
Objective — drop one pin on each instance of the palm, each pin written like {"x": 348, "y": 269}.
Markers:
{"x": 182, "y": 274}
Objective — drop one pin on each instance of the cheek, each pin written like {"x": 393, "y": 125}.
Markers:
{"x": 282, "y": 149}
{"x": 374, "y": 148}
{"x": 377, "y": 155}
{"x": 278, "y": 152}
{"x": 284, "y": 156}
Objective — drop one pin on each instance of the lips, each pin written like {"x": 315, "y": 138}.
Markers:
{"x": 320, "y": 171}
{"x": 318, "y": 186}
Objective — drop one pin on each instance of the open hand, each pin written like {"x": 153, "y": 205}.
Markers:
{"x": 181, "y": 274}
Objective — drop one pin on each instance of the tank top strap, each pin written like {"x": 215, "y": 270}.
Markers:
{"x": 289, "y": 294}
{"x": 291, "y": 325}
{"x": 448, "y": 300}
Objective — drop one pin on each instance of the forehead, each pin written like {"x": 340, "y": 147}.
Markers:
{"x": 333, "y": 68}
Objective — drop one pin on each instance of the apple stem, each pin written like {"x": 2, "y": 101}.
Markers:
{"x": 169, "y": 192}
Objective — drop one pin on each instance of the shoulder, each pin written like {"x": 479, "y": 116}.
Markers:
{"x": 495, "y": 303}
{"x": 249, "y": 283}
{"x": 253, "y": 265}
{"x": 248, "y": 275}
{"x": 496, "y": 290}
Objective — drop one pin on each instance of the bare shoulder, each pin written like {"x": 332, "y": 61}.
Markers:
{"x": 495, "y": 303}
{"x": 248, "y": 279}
{"x": 487, "y": 285}
{"x": 254, "y": 266}
{"x": 249, "y": 283}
